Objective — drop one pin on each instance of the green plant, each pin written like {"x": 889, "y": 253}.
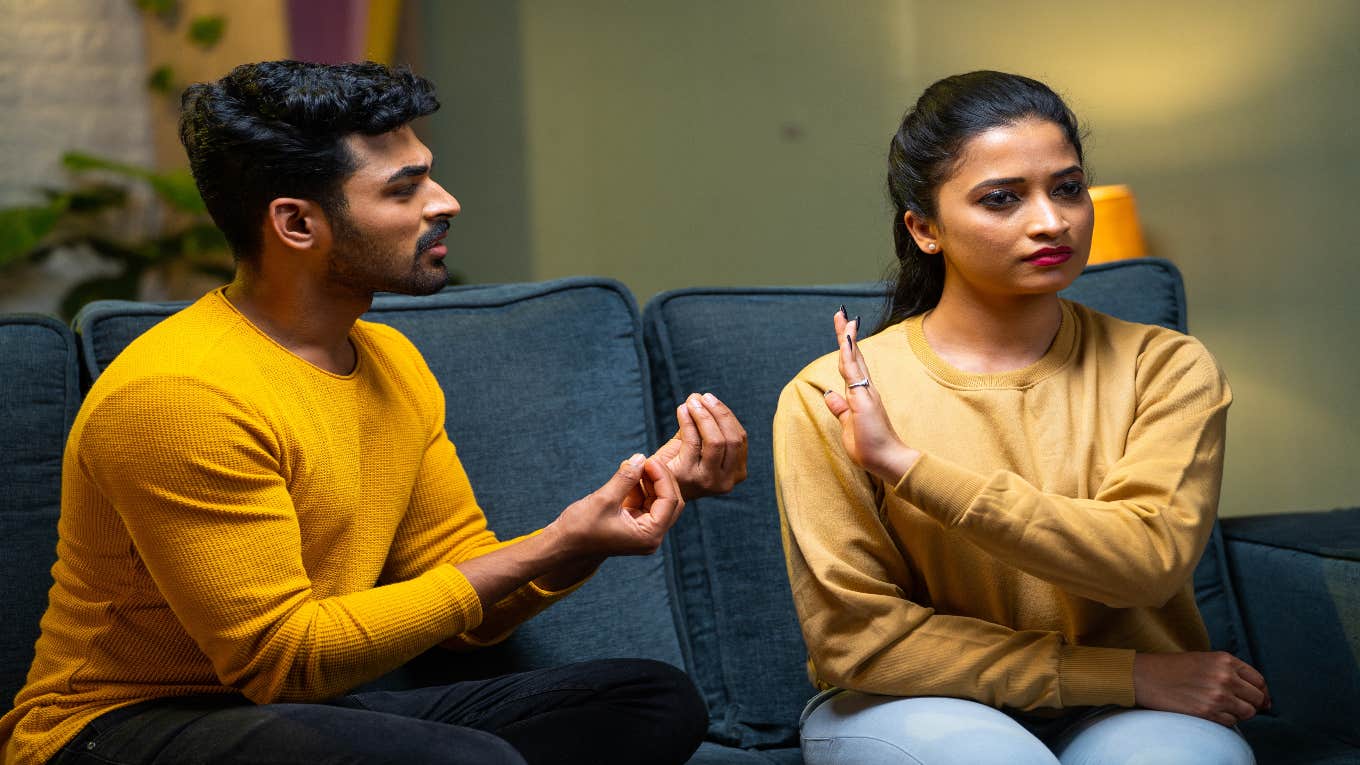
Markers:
{"x": 78, "y": 216}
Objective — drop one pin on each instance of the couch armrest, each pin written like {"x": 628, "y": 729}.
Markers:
{"x": 1297, "y": 579}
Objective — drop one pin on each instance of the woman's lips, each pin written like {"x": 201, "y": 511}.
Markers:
{"x": 1050, "y": 256}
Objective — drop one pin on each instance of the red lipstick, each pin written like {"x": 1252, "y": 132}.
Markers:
{"x": 1050, "y": 256}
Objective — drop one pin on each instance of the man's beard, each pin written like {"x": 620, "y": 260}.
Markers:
{"x": 359, "y": 262}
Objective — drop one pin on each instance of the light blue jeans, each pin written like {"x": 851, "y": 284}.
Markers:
{"x": 850, "y": 728}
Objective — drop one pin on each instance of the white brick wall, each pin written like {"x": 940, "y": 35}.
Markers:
{"x": 72, "y": 76}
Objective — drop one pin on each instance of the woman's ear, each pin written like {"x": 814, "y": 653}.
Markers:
{"x": 298, "y": 224}
{"x": 926, "y": 233}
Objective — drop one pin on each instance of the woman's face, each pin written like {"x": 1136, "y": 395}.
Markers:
{"x": 1014, "y": 217}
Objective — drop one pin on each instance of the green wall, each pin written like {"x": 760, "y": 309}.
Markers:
{"x": 742, "y": 142}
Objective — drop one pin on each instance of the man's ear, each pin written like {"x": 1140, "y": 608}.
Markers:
{"x": 925, "y": 232}
{"x": 298, "y": 224}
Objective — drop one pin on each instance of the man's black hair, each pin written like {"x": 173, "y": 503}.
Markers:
{"x": 277, "y": 128}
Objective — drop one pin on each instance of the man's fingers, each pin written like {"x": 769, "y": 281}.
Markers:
{"x": 689, "y": 432}
{"x": 734, "y": 435}
{"x": 665, "y": 491}
{"x": 712, "y": 447}
{"x": 624, "y": 480}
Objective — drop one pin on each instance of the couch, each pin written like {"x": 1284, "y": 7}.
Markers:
{"x": 550, "y": 384}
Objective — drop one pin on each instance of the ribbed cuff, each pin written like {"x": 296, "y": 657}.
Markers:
{"x": 462, "y": 596}
{"x": 1091, "y": 676}
{"x": 940, "y": 488}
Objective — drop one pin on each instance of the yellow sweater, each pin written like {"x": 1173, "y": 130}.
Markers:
{"x": 236, "y": 520}
{"x": 1049, "y": 531}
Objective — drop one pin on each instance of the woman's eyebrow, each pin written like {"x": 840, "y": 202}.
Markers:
{"x": 1010, "y": 181}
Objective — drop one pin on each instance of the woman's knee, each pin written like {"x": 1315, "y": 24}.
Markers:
{"x": 1129, "y": 736}
{"x": 852, "y": 727}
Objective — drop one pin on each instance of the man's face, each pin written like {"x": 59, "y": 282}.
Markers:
{"x": 390, "y": 237}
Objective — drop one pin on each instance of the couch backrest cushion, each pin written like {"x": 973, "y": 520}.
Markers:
{"x": 744, "y": 344}
{"x": 546, "y": 392}
{"x": 39, "y": 396}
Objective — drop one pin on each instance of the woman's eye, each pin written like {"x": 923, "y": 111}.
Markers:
{"x": 1070, "y": 189}
{"x": 998, "y": 198}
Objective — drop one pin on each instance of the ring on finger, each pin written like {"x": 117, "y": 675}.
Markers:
{"x": 864, "y": 383}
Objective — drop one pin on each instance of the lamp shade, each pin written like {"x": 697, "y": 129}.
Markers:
{"x": 1116, "y": 235}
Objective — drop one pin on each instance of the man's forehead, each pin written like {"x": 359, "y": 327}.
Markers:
{"x": 385, "y": 153}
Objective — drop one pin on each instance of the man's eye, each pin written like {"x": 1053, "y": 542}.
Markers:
{"x": 405, "y": 191}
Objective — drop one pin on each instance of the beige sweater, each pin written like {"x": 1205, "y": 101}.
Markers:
{"x": 1048, "y": 532}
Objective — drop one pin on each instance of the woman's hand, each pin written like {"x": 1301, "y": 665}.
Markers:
{"x": 867, "y": 434}
{"x": 1215, "y": 686}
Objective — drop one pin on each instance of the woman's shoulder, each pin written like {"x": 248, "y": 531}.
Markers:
{"x": 1149, "y": 348}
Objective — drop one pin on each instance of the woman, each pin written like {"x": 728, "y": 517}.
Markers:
{"x": 991, "y": 538}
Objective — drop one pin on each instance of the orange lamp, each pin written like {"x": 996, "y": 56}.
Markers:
{"x": 1116, "y": 235}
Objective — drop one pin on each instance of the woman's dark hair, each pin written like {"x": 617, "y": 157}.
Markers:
{"x": 277, "y": 128}
{"x": 925, "y": 149}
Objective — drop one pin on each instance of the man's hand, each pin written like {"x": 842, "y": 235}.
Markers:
{"x": 1215, "y": 686}
{"x": 707, "y": 455}
{"x": 629, "y": 515}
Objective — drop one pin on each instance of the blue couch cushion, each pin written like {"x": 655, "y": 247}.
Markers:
{"x": 1298, "y": 578}
{"x": 39, "y": 396}
{"x": 743, "y": 344}
{"x": 547, "y": 391}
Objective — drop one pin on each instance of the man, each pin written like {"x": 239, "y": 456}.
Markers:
{"x": 261, "y": 509}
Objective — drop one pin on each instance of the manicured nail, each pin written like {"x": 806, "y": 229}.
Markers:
{"x": 856, "y": 322}
{"x": 845, "y": 313}
{"x": 850, "y": 340}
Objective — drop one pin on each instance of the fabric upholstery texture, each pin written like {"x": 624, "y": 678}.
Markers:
{"x": 39, "y": 396}
{"x": 1299, "y": 585}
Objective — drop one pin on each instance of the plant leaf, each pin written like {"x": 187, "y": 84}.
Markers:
{"x": 162, "y": 79}
{"x": 205, "y": 31}
{"x": 23, "y": 228}
{"x": 177, "y": 188}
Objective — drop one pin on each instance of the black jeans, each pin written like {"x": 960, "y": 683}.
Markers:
{"x": 614, "y": 711}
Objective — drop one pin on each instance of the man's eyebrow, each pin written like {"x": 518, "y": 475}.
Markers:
{"x": 408, "y": 172}
{"x": 1009, "y": 181}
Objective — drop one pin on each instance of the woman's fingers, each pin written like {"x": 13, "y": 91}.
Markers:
{"x": 853, "y": 368}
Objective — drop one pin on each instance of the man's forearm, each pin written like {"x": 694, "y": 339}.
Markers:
{"x": 540, "y": 558}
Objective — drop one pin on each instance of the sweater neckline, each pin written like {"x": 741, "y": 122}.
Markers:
{"x": 221, "y": 294}
{"x": 1054, "y": 359}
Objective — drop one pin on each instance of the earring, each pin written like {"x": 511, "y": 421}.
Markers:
{"x": 931, "y": 246}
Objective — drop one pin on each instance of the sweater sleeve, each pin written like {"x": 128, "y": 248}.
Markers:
{"x": 445, "y": 525}
{"x": 850, "y": 585}
{"x": 1137, "y": 541}
{"x": 196, "y": 478}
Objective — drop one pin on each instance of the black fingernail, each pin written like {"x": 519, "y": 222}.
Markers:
{"x": 844, "y": 313}
{"x": 856, "y": 322}
{"x": 850, "y": 340}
